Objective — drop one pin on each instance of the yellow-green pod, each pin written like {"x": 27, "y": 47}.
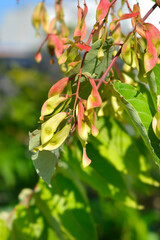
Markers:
{"x": 126, "y": 52}
{"x": 50, "y": 126}
{"x": 50, "y": 104}
{"x": 36, "y": 17}
{"x": 156, "y": 124}
{"x": 58, "y": 139}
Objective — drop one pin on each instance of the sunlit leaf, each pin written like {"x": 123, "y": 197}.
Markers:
{"x": 138, "y": 109}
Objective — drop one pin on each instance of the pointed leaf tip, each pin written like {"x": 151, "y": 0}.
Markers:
{"x": 102, "y": 9}
{"x": 94, "y": 99}
{"x": 86, "y": 161}
{"x": 156, "y": 124}
{"x": 58, "y": 87}
{"x": 150, "y": 57}
{"x": 38, "y": 57}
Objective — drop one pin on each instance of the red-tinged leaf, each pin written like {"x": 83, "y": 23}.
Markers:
{"x": 128, "y": 15}
{"x": 59, "y": 10}
{"x": 94, "y": 130}
{"x": 150, "y": 57}
{"x": 83, "y": 47}
{"x": 58, "y": 87}
{"x": 77, "y": 32}
{"x": 137, "y": 21}
{"x": 38, "y": 56}
{"x": 50, "y": 104}
{"x": 140, "y": 29}
{"x": 136, "y": 9}
{"x": 94, "y": 99}
{"x": 86, "y": 161}
{"x": 102, "y": 10}
{"x": 85, "y": 10}
{"x": 154, "y": 32}
{"x": 74, "y": 64}
{"x": 80, "y": 14}
{"x": 81, "y": 29}
{"x": 155, "y": 35}
{"x": 54, "y": 41}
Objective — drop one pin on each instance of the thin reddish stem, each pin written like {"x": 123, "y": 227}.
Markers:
{"x": 102, "y": 79}
{"x": 90, "y": 37}
{"x": 129, "y": 7}
{"x": 118, "y": 72}
{"x": 113, "y": 1}
{"x": 79, "y": 80}
{"x": 149, "y": 12}
{"x": 46, "y": 38}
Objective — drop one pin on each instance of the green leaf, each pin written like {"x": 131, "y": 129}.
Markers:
{"x": 28, "y": 223}
{"x": 101, "y": 175}
{"x": 156, "y": 71}
{"x": 138, "y": 109}
{"x": 153, "y": 87}
{"x": 34, "y": 139}
{"x": 120, "y": 149}
{"x": 45, "y": 164}
{"x": 43, "y": 161}
{"x": 4, "y": 231}
{"x": 43, "y": 205}
{"x": 65, "y": 209}
{"x": 92, "y": 64}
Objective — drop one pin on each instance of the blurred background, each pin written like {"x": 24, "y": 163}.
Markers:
{"x": 24, "y": 85}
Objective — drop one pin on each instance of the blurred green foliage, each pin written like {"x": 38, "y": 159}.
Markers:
{"x": 101, "y": 202}
{"x": 22, "y": 92}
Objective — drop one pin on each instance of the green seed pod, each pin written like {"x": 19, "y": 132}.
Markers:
{"x": 58, "y": 139}
{"x": 117, "y": 108}
{"x": 156, "y": 124}
{"x": 50, "y": 126}
{"x": 126, "y": 52}
{"x": 36, "y": 17}
{"x": 63, "y": 58}
{"x": 100, "y": 54}
{"x": 50, "y": 105}
{"x": 45, "y": 20}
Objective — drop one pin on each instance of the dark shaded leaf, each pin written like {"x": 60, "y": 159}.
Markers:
{"x": 92, "y": 64}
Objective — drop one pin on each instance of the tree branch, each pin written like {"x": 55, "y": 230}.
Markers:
{"x": 119, "y": 51}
